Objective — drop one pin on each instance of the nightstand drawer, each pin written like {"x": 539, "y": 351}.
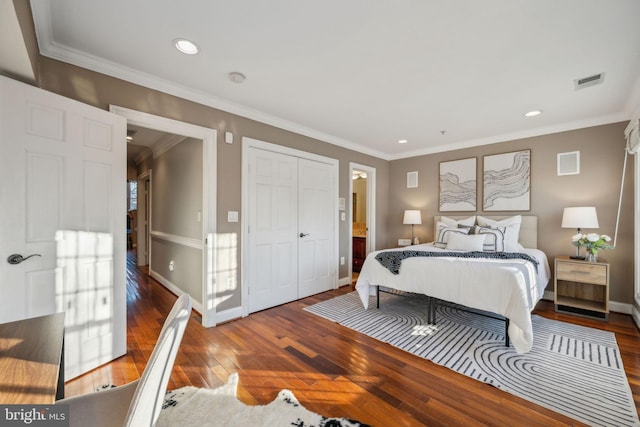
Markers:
{"x": 582, "y": 272}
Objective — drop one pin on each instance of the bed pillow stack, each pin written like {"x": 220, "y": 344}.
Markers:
{"x": 497, "y": 235}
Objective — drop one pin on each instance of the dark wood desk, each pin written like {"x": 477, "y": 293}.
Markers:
{"x": 31, "y": 360}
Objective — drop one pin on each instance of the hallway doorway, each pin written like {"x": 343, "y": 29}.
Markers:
{"x": 362, "y": 191}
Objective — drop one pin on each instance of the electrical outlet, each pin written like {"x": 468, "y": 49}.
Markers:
{"x": 404, "y": 242}
{"x": 172, "y": 265}
{"x": 341, "y": 260}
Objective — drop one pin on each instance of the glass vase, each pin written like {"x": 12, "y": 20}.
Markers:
{"x": 591, "y": 257}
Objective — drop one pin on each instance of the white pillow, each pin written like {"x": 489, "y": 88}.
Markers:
{"x": 465, "y": 242}
{"x": 512, "y": 230}
{"x": 493, "y": 238}
{"x": 445, "y": 232}
{"x": 453, "y": 223}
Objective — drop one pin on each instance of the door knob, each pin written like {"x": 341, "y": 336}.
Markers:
{"x": 302, "y": 234}
{"x": 17, "y": 258}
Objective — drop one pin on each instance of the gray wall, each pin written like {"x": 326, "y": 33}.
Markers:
{"x": 176, "y": 197}
{"x": 177, "y": 190}
{"x": 601, "y": 155}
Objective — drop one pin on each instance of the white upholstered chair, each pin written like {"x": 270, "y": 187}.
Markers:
{"x": 138, "y": 403}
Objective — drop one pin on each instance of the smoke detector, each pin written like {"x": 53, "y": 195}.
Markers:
{"x": 236, "y": 77}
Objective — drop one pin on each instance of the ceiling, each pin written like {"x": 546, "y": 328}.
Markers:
{"x": 364, "y": 74}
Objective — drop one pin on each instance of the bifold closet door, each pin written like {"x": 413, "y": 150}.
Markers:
{"x": 291, "y": 231}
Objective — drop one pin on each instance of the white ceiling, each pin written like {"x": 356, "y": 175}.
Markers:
{"x": 365, "y": 73}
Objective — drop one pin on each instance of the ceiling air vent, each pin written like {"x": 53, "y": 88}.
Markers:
{"x": 596, "y": 79}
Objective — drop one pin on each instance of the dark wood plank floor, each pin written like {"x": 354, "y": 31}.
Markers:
{"x": 331, "y": 369}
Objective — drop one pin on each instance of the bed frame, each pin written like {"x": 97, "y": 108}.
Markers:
{"x": 528, "y": 238}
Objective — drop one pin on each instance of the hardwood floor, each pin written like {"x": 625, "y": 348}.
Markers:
{"x": 331, "y": 369}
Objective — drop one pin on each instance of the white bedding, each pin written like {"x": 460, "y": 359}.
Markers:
{"x": 510, "y": 288}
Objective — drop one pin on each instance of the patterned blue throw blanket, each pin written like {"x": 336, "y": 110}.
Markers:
{"x": 392, "y": 260}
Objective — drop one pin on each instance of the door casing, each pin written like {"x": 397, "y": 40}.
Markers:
{"x": 371, "y": 211}
{"x": 208, "y": 136}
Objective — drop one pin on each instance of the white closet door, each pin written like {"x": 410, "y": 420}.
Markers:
{"x": 316, "y": 217}
{"x": 273, "y": 223}
{"x": 62, "y": 196}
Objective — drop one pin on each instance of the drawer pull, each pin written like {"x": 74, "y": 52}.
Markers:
{"x": 580, "y": 272}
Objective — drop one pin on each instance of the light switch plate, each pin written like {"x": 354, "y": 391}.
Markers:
{"x": 232, "y": 216}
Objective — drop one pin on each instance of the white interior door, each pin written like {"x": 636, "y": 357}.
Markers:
{"x": 316, "y": 214}
{"x": 63, "y": 197}
{"x": 273, "y": 224}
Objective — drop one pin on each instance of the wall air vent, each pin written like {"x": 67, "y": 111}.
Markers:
{"x": 596, "y": 79}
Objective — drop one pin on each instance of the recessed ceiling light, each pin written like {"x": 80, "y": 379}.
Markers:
{"x": 533, "y": 113}
{"x": 402, "y": 141}
{"x": 186, "y": 46}
{"x": 237, "y": 77}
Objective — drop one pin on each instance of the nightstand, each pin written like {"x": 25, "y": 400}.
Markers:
{"x": 582, "y": 287}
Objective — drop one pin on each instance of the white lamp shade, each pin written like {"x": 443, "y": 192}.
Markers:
{"x": 580, "y": 217}
{"x": 412, "y": 217}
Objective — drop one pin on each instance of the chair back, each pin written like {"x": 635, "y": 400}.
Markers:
{"x": 149, "y": 395}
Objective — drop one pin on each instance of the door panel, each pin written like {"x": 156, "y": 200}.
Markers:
{"x": 62, "y": 173}
{"x": 272, "y": 229}
{"x": 316, "y": 216}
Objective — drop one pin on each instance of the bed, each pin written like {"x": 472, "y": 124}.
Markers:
{"x": 508, "y": 281}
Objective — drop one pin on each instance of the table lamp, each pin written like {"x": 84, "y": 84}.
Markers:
{"x": 579, "y": 218}
{"x": 412, "y": 217}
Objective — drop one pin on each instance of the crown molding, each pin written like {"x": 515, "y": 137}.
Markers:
{"x": 564, "y": 127}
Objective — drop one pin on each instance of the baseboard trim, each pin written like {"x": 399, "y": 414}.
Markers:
{"x": 229, "y": 314}
{"x": 197, "y": 306}
{"x": 344, "y": 281}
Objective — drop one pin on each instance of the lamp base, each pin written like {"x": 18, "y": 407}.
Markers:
{"x": 576, "y": 257}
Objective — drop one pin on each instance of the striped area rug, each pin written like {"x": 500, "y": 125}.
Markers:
{"x": 574, "y": 370}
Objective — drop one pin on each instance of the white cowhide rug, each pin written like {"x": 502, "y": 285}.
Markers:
{"x": 192, "y": 406}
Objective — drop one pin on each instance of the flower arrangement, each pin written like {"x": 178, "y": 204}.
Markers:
{"x": 592, "y": 241}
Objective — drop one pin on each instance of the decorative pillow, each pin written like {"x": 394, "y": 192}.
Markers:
{"x": 464, "y": 242}
{"x": 512, "y": 230}
{"x": 453, "y": 223}
{"x": 445, "y": 232}
{"x": 493, "y": 238}
{"x": 471, "y": 228}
